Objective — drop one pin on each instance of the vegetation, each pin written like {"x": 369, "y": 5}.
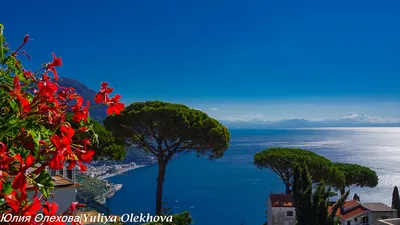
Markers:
{"x": 356, "y": 175}
{"x": 313, "y": 208}
{"x": 107, "y": 146}
{"x": 396, "y": 201}
{"x": 91, "y": 189}
{"x": 283, "y": 160}
{"x": 356, "y": 197}
{"x": 34, "y": 133}
{"x": 165, "y": 129}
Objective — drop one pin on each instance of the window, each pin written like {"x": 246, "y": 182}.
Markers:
{"x": 289, "y": 213}
{"x": 355, "y": 219}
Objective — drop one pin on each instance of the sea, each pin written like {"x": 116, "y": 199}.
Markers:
{"x": 232, "y": 191}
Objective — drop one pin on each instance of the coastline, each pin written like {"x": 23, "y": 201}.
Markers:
{"x": 119, "y": 172}
{"x": 103, "y": 172}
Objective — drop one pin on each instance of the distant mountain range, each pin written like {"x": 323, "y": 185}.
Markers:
{"x": 351, "y": 120}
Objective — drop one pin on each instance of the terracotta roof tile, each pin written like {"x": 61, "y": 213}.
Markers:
{"x": 350, "y": 209}
{"x": 353, "y": 213}
{"x": 281, "y": 200}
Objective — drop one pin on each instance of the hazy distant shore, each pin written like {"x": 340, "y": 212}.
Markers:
{"x": 103, "y": 177}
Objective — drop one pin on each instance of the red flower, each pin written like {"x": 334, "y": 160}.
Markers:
{"x": 56, "y": 62}
{"x": 47, "y": 89}
{"x": 5, "y": 159}
{"x": 82, "y": 166}
{"x": 16, "y": 92}
{"x": 67, "y": 130}
{"x": 28, "y": 75}
{"x": 26, "y": 38}
{"x": 71, "y": 165}
{"x": 46, "y": 138}
{"x": 31, "y": 209}
{"x": 83, "y": 129}
{"x": 63, "y": 147}
{"x": 86, "y": 142}
{"x": 50, "y": 209}
{"x": 81, "y": 111}
{"x": 19, "y": 182}
{"x": 114, "y": 106}
{"x": 102, "y": 96}
{"x": 12, "y": 200}
{"x": 57, "y": 162}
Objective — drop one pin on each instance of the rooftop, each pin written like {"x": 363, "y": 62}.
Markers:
{"x": 281, "y": 200}
{"x": 59, "y": 182}
{"x": 350, "y": 209}
{"x": 378, "y": 207}
{"x": 350, "y": 204}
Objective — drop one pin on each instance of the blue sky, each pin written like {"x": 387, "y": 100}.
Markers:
{"x": 245, "y": 59}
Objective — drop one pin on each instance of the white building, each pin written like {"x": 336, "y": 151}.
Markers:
{"x": 64, "y": 192}
{"x": 356, "y": 213}
{"x": 352, "y": 213}
{"x": 280, "y": 210}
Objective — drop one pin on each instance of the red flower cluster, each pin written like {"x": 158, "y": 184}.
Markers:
{"x": 114, "y": 106}
{"x": 39, "y": 135}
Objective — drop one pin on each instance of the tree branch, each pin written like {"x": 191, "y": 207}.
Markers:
{"x": 145, "y": 145}
{"x": 173, "y": 150}
{"x": 166, "y": 143}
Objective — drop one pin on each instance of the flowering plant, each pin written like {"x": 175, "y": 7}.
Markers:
{"x": 34, "y": 132}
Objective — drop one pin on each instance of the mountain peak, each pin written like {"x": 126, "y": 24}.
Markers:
{"x": 356, "y": 116}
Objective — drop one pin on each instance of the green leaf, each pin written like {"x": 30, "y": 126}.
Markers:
{"x": 44, "y": 183}
{"x": 14, "y": 105}
{"x": 7, "y": 188}
{"x": 24, "y": 153}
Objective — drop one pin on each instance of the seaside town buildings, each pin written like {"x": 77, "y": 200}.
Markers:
{"x": 281, "y": 211}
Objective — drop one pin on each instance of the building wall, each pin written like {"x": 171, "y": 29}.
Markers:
{"x": 269, "y": 211}
{"x": 279, "y": 216}
{"x": 62, "y": 196}
{"x": 352, "y": 221}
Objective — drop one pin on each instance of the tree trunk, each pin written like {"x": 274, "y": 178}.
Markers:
{"x": 288, "y": 190}
{"x": 342, "y": 191}
{"x": 160, "y": 181}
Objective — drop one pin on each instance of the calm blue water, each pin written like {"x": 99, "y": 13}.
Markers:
{"x": 230, "y": 190}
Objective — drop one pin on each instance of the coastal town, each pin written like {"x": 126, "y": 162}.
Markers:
{"x": 93, "y": 181}
{"x": 109, "y": 170}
